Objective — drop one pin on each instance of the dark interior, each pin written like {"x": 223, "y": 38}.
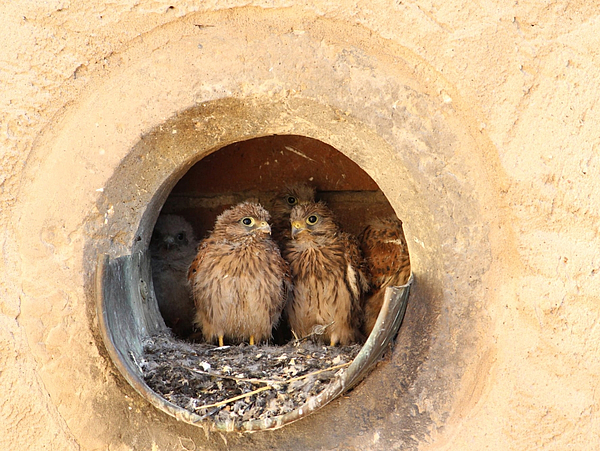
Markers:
{"x": 260, "y": 168}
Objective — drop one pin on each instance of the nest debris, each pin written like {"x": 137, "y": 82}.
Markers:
{"x": 241, "y": 383}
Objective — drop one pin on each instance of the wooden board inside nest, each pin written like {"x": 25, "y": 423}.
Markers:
{"x": 236, "y": 384}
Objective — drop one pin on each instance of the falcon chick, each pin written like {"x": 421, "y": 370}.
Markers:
{"x": 386, "y": 256}
{"x": 283, "y": 203}
{"x": 172, "y": 249}
{"x": 328, "y": 282}
{"x": 239, "y": 279}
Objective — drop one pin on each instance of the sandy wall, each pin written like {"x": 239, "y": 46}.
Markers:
{"x": 521, "y": 82}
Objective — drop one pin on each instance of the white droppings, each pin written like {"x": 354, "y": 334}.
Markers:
{"x": 297, "y": 152}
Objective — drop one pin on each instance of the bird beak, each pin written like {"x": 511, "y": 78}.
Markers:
{"x": 264, "y": 227}
{"x": 297, "y": 227}
{"x": 169, "y": 242}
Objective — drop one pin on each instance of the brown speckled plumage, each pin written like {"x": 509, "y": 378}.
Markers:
{"x": 386, "y": 255}
{"x": 292, "y": 195}
{"x": 328, "y": 282}
{"x": 172, "y": 249}
{"x": 239, "y": 279}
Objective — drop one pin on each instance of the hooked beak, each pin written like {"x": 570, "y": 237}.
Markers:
{"x": 169, "y": 242}
{"x": 297, "y": 227}
{"x": 264, "y": 227}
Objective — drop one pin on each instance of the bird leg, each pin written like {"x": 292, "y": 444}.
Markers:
{"x": 251, "y": 340}
{"x": 220, "y": 340}
{"x": 333, "y": 341}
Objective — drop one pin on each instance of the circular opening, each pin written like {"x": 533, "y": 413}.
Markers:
{"x": 241, "y": 387}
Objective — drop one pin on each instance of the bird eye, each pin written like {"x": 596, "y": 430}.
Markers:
{"x": 312, "y": 219}
{"x": 180, "y": 236}
{"x": 291, "y": 200}
{"x": 247, "y": 221}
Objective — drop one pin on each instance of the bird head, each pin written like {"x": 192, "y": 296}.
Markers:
{"x": 252, "y": 224}
{"x": 291, "y": 196}
{"x": 304, "y": 225}
{"x": 312, "y": 219}
{"x": 244, "y": 219}
{"x": 299, "y": 194}
{"x": 172, "y": 241}
{"x": 172, "y": 233}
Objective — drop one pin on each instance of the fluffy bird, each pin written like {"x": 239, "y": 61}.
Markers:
{"x": 325, "y": 265}
{"x": 239, "y": 279}
{"x": 284, "y": 202}
{"x": 172, "y": 249}
{"x": 386, "y": 256}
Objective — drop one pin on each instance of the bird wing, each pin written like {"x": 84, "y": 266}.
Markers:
{"x": 386, "y": 254}
{"x": 356, "y": 277}
{"x": 356, "y": 280}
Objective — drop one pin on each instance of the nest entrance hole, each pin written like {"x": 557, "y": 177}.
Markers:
{"x": 240, "y": 387}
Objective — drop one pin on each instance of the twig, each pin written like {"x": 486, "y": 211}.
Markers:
{"x": 269, "y": 387}
{"x": 235, "y": 398}
{"x": 294, "y": 379}
{"x": 241, "y": 379}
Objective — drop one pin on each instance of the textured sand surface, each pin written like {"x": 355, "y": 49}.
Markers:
{"x": 478, "y": 120}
